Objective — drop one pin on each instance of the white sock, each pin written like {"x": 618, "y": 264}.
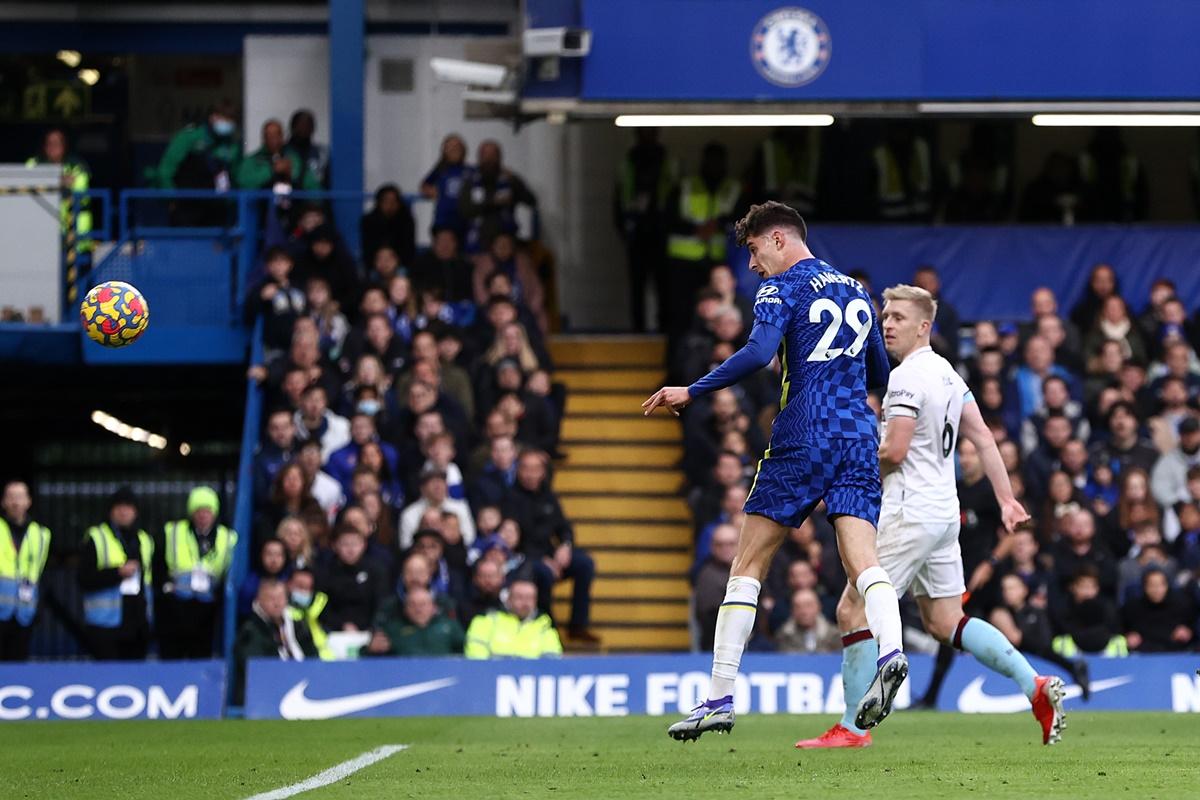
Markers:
{"x": 735, "y": 622}
{"x": 883, "y": 609}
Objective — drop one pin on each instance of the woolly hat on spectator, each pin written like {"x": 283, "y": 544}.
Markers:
{"x": 122, "y": 497}
{"x": 508, "y": 363}
{"x": 1189, "y": 425}
{"x": 203, "y": 497}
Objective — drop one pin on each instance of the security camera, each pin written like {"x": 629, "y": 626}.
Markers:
{"x": 570, "y": 42}
{"x": 471, "y": 73}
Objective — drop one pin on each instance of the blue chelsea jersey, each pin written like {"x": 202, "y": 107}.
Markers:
{"x": 830, "y": 334}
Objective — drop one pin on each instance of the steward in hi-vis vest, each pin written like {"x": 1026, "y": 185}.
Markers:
{"x": 115, "y": 575}
{"x": 24, "y": 545}
{"x": 191, "y": 563}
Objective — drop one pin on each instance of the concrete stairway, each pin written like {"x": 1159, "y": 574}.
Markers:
{"x": 620, "y": 487}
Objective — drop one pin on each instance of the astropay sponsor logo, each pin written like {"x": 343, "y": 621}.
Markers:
{"x": 297, "y": 705}
{"x": 974, "y": 700}
{"x": 80, "y": 701}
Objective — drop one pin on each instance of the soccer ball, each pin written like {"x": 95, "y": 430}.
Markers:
{"x": 114, "y": 314}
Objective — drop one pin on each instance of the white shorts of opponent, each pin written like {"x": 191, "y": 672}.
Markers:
{"x": 922, "y": 556}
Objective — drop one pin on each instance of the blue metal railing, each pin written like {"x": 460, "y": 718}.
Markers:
{"x": 243, "y": 508}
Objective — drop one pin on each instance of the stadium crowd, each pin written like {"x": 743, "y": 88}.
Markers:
{"x": 402, "y": 487}
{"x": 1096, "y": 414}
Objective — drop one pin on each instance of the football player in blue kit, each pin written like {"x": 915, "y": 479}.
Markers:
{"x": 824, "y": 446}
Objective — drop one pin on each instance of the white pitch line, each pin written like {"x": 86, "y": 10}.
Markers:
{"x": 333, "y": 774}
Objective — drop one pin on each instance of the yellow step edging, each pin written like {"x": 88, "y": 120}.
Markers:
{"x": 631, "y": 588}
{"x": 657, "y": 509}
{"x": 596, "y": 534}
{"x": 621, "y": 454}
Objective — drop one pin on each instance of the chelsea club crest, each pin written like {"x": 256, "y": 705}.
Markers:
{"x": 790, "y": 46}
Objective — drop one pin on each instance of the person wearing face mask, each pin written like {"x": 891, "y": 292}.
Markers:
{"x": 24, "y": 545}
{"x": 115, "y": 575}
{"x": 269, "y": 632}
{"x": 190, "y": 565}
{"x": 489, "y": 198}
{"x": 305, "y": 605}
{"x": 202, "y": 157}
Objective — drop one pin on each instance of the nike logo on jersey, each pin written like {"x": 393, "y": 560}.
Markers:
{"x": 974, "y": 700}
{"x": 296, "y": 705}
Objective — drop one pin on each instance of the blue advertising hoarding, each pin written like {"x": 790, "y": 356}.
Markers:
{"x": 114, "y": 690}
{"x": 682, "y": 50}
{"x": 666, "y": 685}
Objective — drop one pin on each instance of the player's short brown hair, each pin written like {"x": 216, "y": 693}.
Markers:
{"x": 919, "y": 297}
{"x": 765, "y": 216}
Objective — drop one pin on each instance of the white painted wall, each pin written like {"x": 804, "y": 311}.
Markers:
{"x": 403, "y": 135}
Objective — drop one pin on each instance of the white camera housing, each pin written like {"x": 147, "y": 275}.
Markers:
{"x": 569, "y": 42}
{"x": 470, "y": 73}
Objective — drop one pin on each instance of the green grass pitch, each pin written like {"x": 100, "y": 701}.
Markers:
{"x": 916, "y": 755}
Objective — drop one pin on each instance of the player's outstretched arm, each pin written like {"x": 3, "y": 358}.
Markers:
{"x": 756, "y": 354}
{"x": 1012, "y": 513}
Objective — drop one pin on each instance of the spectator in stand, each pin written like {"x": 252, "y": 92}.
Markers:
{"x": 1125, "y": 447}
{"x": 710, "y": 582}
{"x": 297, "y": 542}
{"x": 324, "y": 489}
{"x": 420, "y": 629}
{"x": 373, "y": 460}
{"x": 441, "y": 458}
{"x": 1114, "y": 323}
{"x": 1067, "y": 353}
{"x": 114, "y": 574}
{"x": 722, "y": 281}
{"x": 451, "y": 379}
{"x": 342, "y": 462}
{"x": 380, "y": 340}
{"x": 1103, "y": 371}
{"x": 944, "y": 337}
{"x": 325, "y": 256}
{"x": 435, "y": 494}
{"x": 274, "y": 164}
{"x": 445, "y": 181}
{"x": 1145, "y": 552}
{"x": 547, "y": 542}
{"x": 1025, "y": 561}
{"x": 519, "y": 630}
{"x": 1169, "y": 479}
{"x": 1027, "y": 380}
{"x": 1152, "y": 317}
{"x": 707, "y": 500}
{"x": 512, "y": 342}
{"x": 1021, "y": 618}
{"x": 270, "y": 632}
{"x": 806, "y": 630}
{"x": 402, "y": 307}
{"x": 1178, "y": 361}
{"x": 1079, "y": 550}
{"x": 191, "y": 563}
{"x": 279, "y": 301}
{"x": 355, "y": 585}
{"x": 486, "y": 591}
{"x": 368, "y": 373}
{"x": 493, "y": 484}
{"x": 732, "y": 500}
{"x": 1102, "y": 284}
{"x": 272, "y": 566}
{"x": 202, "y": 157}
{"x": 504, "y": 256}
{"x": 447, "y": 558}
{"x": 304, "y": 355}
{"x": 489, "y": 197}
{"x": 535, "y": 423}
{"x": 385, "y": 265}
{"x": 389, "y": 224}
{"x": 272, "y": 454}
{"x": 315, "y": 157}
{"x": 1056, "y": 397}
{"x": 1056, "y": 432}
{"x": 1161, "y": 619}
{"x": 290, "y": 495}
{"x": 1062, "y": 500}
{"x": 1088, "y": 620}
{"x": 1165, "y": 427}
{"x": 326, "y": 314}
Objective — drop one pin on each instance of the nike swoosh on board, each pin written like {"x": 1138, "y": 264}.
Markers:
{"x": 974, "y": 700}
{"x": 296, "y": 705}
